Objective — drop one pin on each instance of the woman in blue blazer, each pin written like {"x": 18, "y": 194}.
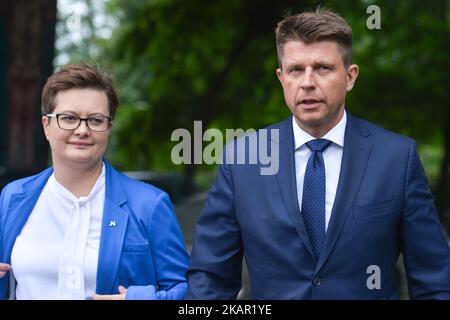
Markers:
{"x": 81, "y": 229}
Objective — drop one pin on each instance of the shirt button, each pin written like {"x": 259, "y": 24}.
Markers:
{"x": 316, "y": 281}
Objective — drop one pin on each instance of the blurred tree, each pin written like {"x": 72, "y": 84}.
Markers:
{"x": 81, "y": 30}
{"x": 27, "y": 34}
{"x": 178, "y": 61}
{"x": 197, "y": 60}
{"x": 403, "y": 83}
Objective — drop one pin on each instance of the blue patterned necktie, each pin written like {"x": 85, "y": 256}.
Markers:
{"x": 313, "y": 200}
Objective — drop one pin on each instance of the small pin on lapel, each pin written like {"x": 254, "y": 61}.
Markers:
{"x": 112, "y": 223}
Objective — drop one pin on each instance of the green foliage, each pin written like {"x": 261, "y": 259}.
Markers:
{"x": 176, "y": 61}
{"x": 213, "y": 61}
{"x": 403, "y": 67}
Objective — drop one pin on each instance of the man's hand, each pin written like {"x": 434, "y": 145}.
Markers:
{"x": 120, "y": 296}
{"x": 4, "y": 268}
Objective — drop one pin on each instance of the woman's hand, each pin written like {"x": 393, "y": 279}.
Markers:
{"x": 120, "y": 296}
{"x": 4, "y": 268}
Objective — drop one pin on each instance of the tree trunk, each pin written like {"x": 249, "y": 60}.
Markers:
{"x": 28, "y": 49}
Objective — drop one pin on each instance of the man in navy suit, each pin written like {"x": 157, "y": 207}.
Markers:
{"x": 348, "y": 197}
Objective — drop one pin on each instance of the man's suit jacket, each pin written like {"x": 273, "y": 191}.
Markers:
{"x": 141, "y": 246}
{"x": 383, "y": 206}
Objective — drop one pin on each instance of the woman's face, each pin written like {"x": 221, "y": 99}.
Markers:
{"x": 80, "y": 147}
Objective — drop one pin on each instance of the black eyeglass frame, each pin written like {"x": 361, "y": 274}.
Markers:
{"x": 80, "y": 119}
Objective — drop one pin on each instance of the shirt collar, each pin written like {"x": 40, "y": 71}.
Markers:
{"x": 61, "y": 191}
{"x": 335, "y": 135}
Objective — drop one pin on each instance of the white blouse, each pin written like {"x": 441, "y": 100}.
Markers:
{"x": 56, "y": 254}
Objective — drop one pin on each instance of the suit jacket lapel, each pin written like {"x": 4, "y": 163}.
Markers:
{"x": 114, "y": 226}
{"x": 287, "y": 181}
{"x": 20, "y": 207}
{"x": 354, "y": 161}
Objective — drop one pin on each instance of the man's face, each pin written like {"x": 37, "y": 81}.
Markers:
{"x": 81, "y": 147}
{"x": 315, "y": 82}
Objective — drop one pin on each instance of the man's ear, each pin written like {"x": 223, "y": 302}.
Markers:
{"x": 279, "y": 74}
{"x": 45, "y": 126}
{"x": 352, "y": 74}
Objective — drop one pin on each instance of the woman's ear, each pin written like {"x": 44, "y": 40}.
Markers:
{"x": 45, "y": 126}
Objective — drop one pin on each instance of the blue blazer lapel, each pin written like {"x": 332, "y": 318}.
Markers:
{"x": 355, "y": 156}
{"x": 114, "y": 226}
{"x": 20, "y": 207}
{"x": 287, "y": 181}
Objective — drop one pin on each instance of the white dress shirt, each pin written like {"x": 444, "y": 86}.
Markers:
{"x": 56, "y": 254}
{"x": 332, "y": 157}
